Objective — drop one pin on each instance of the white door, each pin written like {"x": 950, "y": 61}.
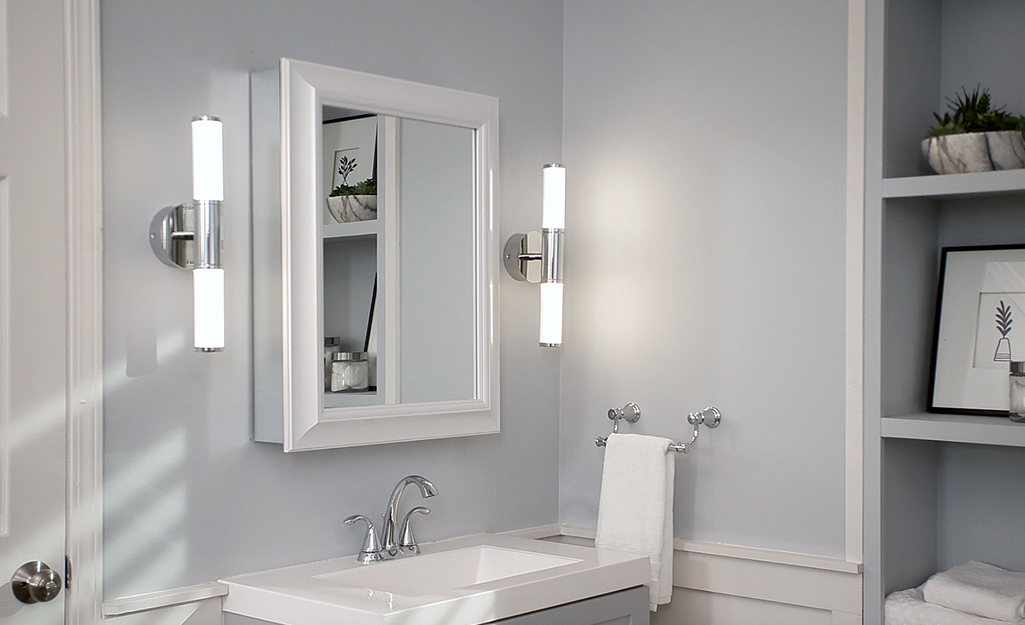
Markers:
{"x": 32, "y": 305}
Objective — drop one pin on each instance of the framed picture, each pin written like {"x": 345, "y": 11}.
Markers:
{"x": 370, "y": 344}
{"x": 980, "y": 328}
{"x": 349, "y": 155}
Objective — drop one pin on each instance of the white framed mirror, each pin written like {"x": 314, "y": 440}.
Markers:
{"x": 400, "y": 278}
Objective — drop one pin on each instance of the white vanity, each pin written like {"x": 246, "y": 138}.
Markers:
{"x": 483, "y": 578}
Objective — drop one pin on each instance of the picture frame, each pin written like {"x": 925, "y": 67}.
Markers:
{"x": 981, "y": 298}
{"x": 370, "y": 343}
{"x": 349, "y": 152}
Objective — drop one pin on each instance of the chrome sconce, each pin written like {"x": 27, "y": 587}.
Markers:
{"x": 188, "y": 236}
{"x": 537, "y": 256}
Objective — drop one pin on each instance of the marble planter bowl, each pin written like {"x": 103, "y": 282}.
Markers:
{"x": 346, "y": 208}
{"x": 975, "y": 151}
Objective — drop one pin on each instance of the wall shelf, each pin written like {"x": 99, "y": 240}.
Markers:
{"x": 351, "y": 229}
{"x": 346, "y": 400}
{"x": 949, "y": 428}
{"x": 952, "y": 186}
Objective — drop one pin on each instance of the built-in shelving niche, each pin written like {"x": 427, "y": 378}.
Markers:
{"x": 940, "y": 489}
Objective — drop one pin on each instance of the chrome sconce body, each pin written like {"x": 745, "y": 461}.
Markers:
{"x": 537, "y": 256}
{"x": 189, "y": 235}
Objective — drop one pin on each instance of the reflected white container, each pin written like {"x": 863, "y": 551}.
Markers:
{"x": 350, "y": 371}
{"x": 1017, "y": 391}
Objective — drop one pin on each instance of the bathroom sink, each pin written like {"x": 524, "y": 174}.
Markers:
{"x": 465, "y": 581}
{"x": 446, "y": 570}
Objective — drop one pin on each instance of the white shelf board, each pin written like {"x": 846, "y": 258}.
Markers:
{"x": 348, "y": 400}
{"x": 956, "y": 185}
{"x": 350, "y": 229}
{"x": 955, "y": 429}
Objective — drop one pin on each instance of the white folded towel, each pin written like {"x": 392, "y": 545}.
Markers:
{"x": 908, "y": 607}
{"x": 981, "y": 589}
{"x": 635, "y": 509}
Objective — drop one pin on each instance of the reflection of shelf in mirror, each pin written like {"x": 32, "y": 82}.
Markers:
{"x": 351, "y": 229}
{"x": 951, "y": 186}
{"x": 951, "y": 428}
{"x": 350, "y": 399}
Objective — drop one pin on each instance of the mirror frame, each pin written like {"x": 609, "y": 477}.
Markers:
{"x": 304, "y": 89}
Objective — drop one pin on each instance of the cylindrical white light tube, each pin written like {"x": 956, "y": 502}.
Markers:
{"x": 207, "y": 159}
{"x": 208, "y": 308}
{"x": 551, "y": 314}
{"x": 553, "y": 199}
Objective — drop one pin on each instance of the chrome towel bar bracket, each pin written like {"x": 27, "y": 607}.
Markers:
{"x": 709, "y": 417}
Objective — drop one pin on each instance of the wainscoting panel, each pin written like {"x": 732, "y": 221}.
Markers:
{"x": 695, "y": 607}
{"x": 720, "y": 584}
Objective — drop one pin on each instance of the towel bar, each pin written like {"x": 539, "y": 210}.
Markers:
{"x": 631, "y": 412}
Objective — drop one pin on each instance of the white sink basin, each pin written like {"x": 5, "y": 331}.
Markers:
{"x": 463, "y": 581}
{"x": 446, "y": 570}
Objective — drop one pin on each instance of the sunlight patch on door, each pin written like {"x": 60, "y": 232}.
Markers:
{"x": 5, "y": 354}
{"x": 4, "y": 58}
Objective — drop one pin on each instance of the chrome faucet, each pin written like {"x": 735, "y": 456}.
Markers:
{"x": 407, "y": 544}
{"x": 372, "y": 550}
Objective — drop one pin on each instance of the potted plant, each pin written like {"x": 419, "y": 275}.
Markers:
{"x": 972, "y": 136}
{"x": 357, "y": 202}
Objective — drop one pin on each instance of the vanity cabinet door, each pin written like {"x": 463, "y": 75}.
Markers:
{"x": 626, "y": 607}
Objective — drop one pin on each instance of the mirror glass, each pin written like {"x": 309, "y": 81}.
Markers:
{"x": 386, "y": 259}
{"x": 437, "y": 263}
{"x": 434, "y": 209}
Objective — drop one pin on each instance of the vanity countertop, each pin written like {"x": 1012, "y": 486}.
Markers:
{"x": 437, "y": 586}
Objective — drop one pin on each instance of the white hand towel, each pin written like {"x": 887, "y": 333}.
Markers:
{"x": 981, "y": 589}
{"x": 908, "y": 607}
{"x": 635, "y": 509}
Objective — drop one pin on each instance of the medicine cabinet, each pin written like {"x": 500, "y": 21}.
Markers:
{"x": 374, "y": 235}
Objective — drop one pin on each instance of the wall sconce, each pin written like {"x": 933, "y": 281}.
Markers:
{"x": 537, "y": 256}
{"x": 189, "y": 235}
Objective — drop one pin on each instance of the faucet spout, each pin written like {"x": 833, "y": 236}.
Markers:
{"x": 427, "y": 489}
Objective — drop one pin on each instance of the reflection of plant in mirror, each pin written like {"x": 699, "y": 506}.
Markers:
{"x": 345, "y": 167}
{"x": 971, "y": 112}
{"x": 367, "y": 187}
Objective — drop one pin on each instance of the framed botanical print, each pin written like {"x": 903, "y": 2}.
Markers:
{"x": 980, "y": 328}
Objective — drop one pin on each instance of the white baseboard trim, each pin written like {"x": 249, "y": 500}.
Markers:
{"x": 163, "y": 599}
{"x": 805, "y": 580}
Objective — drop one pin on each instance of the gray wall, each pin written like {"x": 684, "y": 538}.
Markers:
{"x": 705, "y": 265}
{"x": 705, "y": 145}
{"x": 188, "y": 497}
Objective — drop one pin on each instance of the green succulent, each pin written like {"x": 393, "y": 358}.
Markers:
{"x": 972, "y": 112}
{"x": 367, "y": 187}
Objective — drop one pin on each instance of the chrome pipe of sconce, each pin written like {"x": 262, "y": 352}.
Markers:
{"x": 551, "y": 255}
{"x": 187, "y": 236}
{"x": 208, "y": 234}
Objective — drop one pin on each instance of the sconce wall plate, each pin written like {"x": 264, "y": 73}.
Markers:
{"x": 520, "y": 251}
{"x": 171, "y": 236}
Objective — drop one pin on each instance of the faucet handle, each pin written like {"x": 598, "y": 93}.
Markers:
{"x": 408, "y": 543}
{"x": 371, "y": 549}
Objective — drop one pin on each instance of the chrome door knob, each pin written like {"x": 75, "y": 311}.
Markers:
{"x": 35, "y": 582}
